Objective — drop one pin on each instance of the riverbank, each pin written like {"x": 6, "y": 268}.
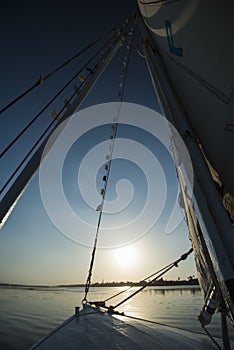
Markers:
{"x": 161, "y": 282}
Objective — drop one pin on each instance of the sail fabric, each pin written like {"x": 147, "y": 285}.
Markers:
{"x": 200, "y": 67}
{"x": 198, "y": 102}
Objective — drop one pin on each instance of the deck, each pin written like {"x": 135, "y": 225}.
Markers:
{"x": 93, "y": 329}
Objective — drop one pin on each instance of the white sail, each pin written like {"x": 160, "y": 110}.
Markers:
{"x": 191, "y": 68}
{"x": 195, "y": 40}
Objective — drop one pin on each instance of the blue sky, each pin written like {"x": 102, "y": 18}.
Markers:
{"x": 32, "y": 249}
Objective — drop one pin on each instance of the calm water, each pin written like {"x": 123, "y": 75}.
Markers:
{"x": 26, "y": 314}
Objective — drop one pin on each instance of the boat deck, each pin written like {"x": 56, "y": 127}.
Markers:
{"x": 93, "y": 329}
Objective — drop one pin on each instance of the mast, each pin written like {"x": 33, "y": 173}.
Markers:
{"x": 210, "y": 228}
{"x": 18, "y": 187}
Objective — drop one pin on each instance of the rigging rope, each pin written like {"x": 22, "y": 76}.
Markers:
{"x": 118, "y": 35}
{"x": 118, "y": 32}
{"x": 161, "y": 271}
{"x": 154, "y": 322}
{"x": 166, "y": 269}
{"x": 111, "y": 310}
{"x": 52, "y": 100}
{"x": 51, "y": 124}
{"x": 88, "y": 281}
{"x": 161, "y": 324}
{"x": 202, "y": 244}
{"x": 43, "y": 79}
{"x": 145, "y": 279}
{"x": 212, "y": 338}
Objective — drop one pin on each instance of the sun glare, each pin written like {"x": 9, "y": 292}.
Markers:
{"x": 125, "y": 257}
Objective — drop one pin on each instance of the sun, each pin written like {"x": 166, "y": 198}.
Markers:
{"x": 125, "y": 257}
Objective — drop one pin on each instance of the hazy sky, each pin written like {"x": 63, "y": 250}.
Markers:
{"x": 38, "y": 36}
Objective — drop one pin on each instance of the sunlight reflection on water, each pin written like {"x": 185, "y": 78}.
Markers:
{"x": 26, "y": 315}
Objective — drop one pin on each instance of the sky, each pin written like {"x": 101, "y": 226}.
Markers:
{"x": 39, "y": 36}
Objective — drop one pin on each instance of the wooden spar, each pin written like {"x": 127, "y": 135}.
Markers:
{"x": 14, "y": 193}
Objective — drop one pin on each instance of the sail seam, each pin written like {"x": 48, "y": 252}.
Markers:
{"x": 223, "y": 97}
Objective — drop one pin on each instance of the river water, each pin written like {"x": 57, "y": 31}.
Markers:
{"x": 27, "y": 314}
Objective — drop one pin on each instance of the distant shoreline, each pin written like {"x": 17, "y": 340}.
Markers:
{"x": 161, "y": 283}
